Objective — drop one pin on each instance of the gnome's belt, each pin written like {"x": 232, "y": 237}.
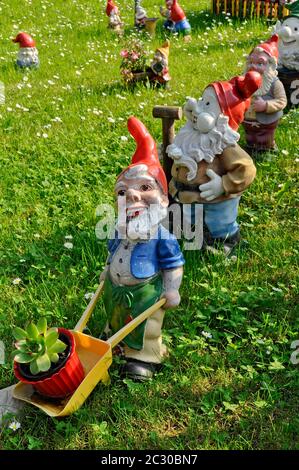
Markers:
{"x": 186, "y": 187}
{"x": 252, "y": 123}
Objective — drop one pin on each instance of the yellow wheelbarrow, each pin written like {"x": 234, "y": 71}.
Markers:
{"x": 96, "y": 358}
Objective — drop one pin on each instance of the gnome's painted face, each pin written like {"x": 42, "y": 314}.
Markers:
{"x": 159, "y": 62}
{"x": 203, "y": 114}
{"x": 141, "y": 202}
{"x": 289, "y": 35}
{"x": 258, "y": 61}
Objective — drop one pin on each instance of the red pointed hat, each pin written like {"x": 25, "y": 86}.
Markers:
{"x": 146, "y": 153}
{"x": 234, "y": 96}
{"x": 110, "y": 7}
{"x": 270, "y": 46}
{"x": 25, "y": 40}
{"x": 177, "y": 12}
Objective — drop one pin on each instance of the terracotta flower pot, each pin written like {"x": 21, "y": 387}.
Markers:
{"x": 61, "y": 381}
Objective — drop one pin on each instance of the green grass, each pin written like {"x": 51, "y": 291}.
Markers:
{"x": 237, "y": 390}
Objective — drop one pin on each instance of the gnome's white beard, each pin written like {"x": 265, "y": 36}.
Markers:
{"x": 290, "y": 60}
{"x": 268, "y": 77}
{"x": 114, "y": 19}
{"x": 28, "y": 55}
{"x": 143, "y": 226}
{"x": 191, "y": 146}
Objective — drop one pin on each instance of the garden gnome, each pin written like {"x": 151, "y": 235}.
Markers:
{"x": 176, "y": 19}
{"x": 140, "y": 17}
{"x": 209, "y": 167}
{"x": 158, "y": 71}
{"x": 262, "y": 117}
{"x": 112, "y": 12}
{"x": 28, "y": 54}
{"x": 288, "y": 32}
{"x": 145, "y": 261}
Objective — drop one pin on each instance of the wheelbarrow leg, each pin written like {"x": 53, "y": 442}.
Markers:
{"x": 106, "y": 378}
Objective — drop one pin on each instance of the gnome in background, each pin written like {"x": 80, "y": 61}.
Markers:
{"x": 209, "y": 167}
{"x": 112, "y": 12}
{"x": 28, "y": 54}
{"x": 145, "y": 261}
{"x": 158, "y": 72}
{"x": 288, "y": 32}
{"x": 176, "y": 19}
{"x": 140, "y": 17}
{"x": 268, "y": 102}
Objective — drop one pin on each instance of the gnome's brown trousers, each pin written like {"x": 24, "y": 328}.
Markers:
{"x": 260, "y": 137}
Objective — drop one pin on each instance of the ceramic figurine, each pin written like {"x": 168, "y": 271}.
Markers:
{"x": 288, "y": 47}
{"x": 112, "y": 12}
{"x": 288, "y": 32}
{"x": 140, "y": 17}
{"x": 158, "y": 72}
{"x": 209, "y": 167}
{"x": 28, "y": 54}
{"x": 145, "y": 261}
{"x": 176, "y": 19}
{"x": 268, "y": 102}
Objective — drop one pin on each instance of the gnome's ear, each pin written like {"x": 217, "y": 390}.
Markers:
{"x": 249, "y": 83}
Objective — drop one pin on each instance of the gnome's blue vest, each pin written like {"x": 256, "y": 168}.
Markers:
{"x": 150, "y": 257}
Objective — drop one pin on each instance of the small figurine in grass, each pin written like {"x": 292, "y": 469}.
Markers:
{"x": 112, "y": 12}
{"x": 176, "y": 19}
{"x": 140, "y": 17}
{"x": 28, "y": 54}
{"x": 158, "y": 72}
{"x": 268, "y": 102}
{"x": 209, "y": 167}
{"x": 145, "y": 261}
{"x": 288, "y": 32}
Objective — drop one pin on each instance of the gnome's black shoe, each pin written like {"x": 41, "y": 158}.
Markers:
{"x": 223, "y": 246}
{"x": 139, "y": 371}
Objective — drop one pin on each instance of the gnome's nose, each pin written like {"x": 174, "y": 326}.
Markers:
{"x": 285, "y": 32}
{"x": 205, "y": 122}
{"x": 133, "y": 195}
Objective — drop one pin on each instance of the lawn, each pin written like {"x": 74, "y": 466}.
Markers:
{"x": 60, "y": 152}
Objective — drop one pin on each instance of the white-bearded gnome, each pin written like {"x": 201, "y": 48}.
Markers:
{"x": 145, "y": 261}
{"x": 268, "y": 102}
{"x": 288, "y": 32}
{"x": 209, "y": 167}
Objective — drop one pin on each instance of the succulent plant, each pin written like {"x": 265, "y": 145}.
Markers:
{"x": 37, "y": 346}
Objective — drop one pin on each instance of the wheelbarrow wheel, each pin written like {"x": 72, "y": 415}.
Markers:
{"x": 139, "y": 371}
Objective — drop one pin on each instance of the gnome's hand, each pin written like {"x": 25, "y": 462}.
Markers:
{"x": 172, "y": 297}
{"x": 213, "y": 188}
{"x": 260, "y": 105}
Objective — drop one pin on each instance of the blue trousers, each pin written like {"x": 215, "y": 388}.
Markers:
{"x": 220, "y": 217}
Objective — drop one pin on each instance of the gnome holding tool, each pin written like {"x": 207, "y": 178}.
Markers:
{"x": 176, "y": 19}
{"x": 28, "y": 54}
{"x": 145, "y": 262}
{"x": 209, "y": 167}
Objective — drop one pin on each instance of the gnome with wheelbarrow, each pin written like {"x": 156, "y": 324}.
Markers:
{"x": 145, "y": 261}
{"x": 140, "y": 281}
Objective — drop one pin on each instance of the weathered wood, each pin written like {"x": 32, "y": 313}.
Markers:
{"x": 168, "y": 114}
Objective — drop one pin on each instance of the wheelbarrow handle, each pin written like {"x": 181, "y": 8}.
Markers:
{"x": 89, "y": 309}
{"x": 125, "y": 330}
